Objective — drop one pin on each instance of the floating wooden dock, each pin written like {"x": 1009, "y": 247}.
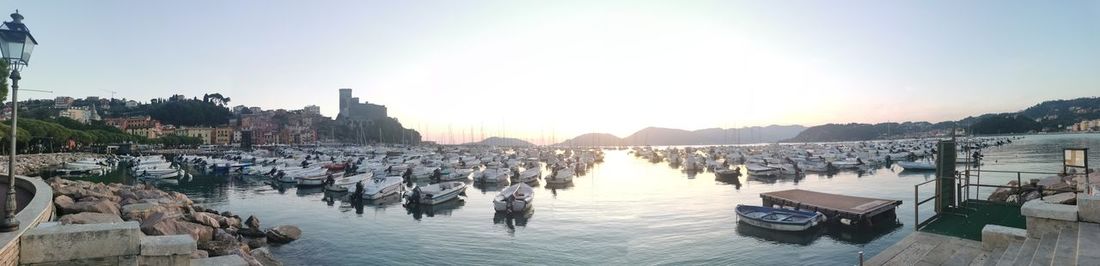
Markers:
{"x": 835, "y": 206}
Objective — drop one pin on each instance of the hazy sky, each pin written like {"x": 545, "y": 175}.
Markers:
{"x": 540, "y": 68}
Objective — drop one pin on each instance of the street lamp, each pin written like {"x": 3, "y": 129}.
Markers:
{"x": 16, "y": 44}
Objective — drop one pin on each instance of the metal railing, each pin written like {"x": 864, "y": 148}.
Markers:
{"x": 963, "y": 186}
{"x": 917, "y": 202}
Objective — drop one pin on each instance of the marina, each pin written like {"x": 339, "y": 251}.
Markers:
{"x": 615, "y": 206}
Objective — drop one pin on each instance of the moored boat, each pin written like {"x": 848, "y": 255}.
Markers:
{"x": 382, "y": 186}
{"x": 778, "y": 219}
{"x": 435, "y": 193}
{"x": 514, "y": 198}
{"x": 917, "y": 166}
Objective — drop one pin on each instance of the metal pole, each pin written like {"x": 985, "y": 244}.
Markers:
{"x": 860, "y": 258}
{"x": 9, "y": 223}
{"x": 916, "y": 207}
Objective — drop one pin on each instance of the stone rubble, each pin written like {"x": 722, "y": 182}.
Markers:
{"x": 1054, "y": 188}
{"x": 169, "y": 213}
{"x": 33, "y": 164}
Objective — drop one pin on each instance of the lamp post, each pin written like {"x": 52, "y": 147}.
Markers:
{"x": 16, "y": 44}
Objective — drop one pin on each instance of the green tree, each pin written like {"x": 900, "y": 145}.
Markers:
{"x": 4, "y": 73}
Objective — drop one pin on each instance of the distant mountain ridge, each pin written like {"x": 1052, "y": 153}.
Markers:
{"x": 499, "y": 141}
{"x": 669, "y": 136}
{"x": 1048, "y": 116}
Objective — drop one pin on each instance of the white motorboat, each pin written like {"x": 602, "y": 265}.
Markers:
{"x": 436, "y": 193}
{"x": 458, "y": 174}
{"x": 317, "y": 179}
{"x": 917, "y": 166}
{"x": 493, "y": 175}
{"x": 760, "y": 170}
{"x": 346, "y": 183}
{"x": 514, "y": 198}
{"x": 531, "y": 175}
{"x": 381, "y": 187}
{"x": 164, "y": 173}
{"x": 559, "y": 177}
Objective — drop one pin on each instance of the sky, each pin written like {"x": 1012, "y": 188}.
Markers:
{"x": 548, "y": 70}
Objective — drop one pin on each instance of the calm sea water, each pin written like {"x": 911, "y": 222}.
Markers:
{"x": 624, "y": 211}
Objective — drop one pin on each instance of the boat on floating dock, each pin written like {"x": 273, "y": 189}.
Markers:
{"x": 778, "y": 219}
{"x": 843, "y": 208}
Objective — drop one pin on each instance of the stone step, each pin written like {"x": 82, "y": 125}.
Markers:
{"x": 1065, "y": 251}
{"x": 963, "y": 256}
{"x": 1088, "y": 244}
{"x": 1027, "y": 251}
{"x": 1011, "y": 251}
{"x": 1045, "y": 252}
{"x": 992, "y": 258}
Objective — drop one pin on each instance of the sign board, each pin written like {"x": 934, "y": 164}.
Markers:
{"x": 1075, "y": 158}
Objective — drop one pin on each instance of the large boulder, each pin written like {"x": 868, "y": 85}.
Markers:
{"x": 255, "y": 242}
{"x": 264, "y": 257}
{"x": 90, "y": 218}
{"x": 65, "y": 204}
{"x": 252, "y": 222}
{"x": 100, "y": 206}
{"x": 230, "y": 222}
{"x": 141, "y": 211}
{"x": 283, "y": 234}
{"x": 251, "y": 232}
{"x": 1002, "y": 194}
{"x": 207, "y": 219}
{"x": 167, "y": 224}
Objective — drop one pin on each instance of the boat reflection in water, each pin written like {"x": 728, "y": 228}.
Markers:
{"x": 856, "y": 235}
{"x": 513, "y": 219}
{"x": 330, "y": 197}
{"x": 418, "y": 211}
{"x": 729, "y": 180}
{"x": 553, "y": 188}
{"x": 347, "y": 203}
{"x": 485, "y": 188}
{"x": 306, "y": 191}
{"x": 282, "y": 187}
{"x": 776, "y": 179}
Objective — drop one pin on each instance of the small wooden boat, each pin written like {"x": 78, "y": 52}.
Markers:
{"x": 778, "y": 219}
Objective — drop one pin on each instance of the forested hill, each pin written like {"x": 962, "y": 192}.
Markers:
{"x": 1048, "y": 116}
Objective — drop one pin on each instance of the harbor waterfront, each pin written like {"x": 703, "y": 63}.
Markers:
{"x": 625, "y": 210}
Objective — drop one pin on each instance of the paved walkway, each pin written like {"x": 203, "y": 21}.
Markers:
{"x": 920, "y": 248}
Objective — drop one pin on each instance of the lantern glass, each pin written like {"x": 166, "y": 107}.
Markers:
{"x": 16, "y": 46}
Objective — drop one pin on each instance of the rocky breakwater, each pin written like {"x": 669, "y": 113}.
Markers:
{"x": 1053, "y": 189}
{"x": 169, "y": 213}
{"x": 33, "y": 164}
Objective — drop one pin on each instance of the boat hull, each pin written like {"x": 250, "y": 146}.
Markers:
{"x": 759, "y": 217}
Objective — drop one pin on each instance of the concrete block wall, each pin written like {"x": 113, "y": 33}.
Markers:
{"x": 166, "y": 250}
{"x": 103, "y": 244}
{"x": 113, "y": 242}
{"x": 1044, "y": 217}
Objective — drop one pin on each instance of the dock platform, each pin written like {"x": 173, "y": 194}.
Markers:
{"x": 834, "y": 206}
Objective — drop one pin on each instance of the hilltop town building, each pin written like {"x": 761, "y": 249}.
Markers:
{"x": 1086, "y": 125}
{"x": 352, "y": 110}
{"x": 80, "y": 114}
{"x": 62, "y": 102}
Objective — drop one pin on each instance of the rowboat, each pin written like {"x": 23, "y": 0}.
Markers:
{"x": 778, "y": 219}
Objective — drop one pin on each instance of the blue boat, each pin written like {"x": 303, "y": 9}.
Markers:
{"x": 778, "y": 219}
